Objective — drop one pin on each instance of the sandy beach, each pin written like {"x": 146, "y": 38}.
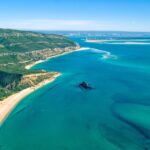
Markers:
{"x": 9, "y": 103}
{"x": 40, "y": 61}
{"x": 96, "y": 41}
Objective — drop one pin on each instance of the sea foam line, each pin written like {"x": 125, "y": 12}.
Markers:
{"x": 130, "y": 43}
{"x": 121, "y": 42}
{"x": 106, "y": 54}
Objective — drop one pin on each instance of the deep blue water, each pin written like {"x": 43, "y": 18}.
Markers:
{"x": 112, "y": 116}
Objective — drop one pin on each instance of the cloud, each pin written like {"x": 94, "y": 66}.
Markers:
{"x": 47, "y": 24}
{"x": 58, "y": 24}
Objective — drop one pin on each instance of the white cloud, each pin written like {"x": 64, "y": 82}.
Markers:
{"x": 48, "y": 24}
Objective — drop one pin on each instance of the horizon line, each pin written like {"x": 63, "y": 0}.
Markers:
{"x": 24, "y": 29}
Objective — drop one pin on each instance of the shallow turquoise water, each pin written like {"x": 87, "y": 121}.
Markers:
{"x": 112, "y": 116}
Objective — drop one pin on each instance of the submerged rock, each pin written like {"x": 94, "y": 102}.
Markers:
{"x": 85, "y": 85}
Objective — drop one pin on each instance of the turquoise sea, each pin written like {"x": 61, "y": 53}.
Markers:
{"x": 114, "y": 115}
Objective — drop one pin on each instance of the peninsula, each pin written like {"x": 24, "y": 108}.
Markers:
{"x": 19, "y": 51}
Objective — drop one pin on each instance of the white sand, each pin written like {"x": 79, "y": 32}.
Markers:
{"x": 9, "y": 103}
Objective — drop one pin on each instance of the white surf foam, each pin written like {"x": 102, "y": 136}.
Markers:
{"x": 83, "y": 48}
{"x": 106, "y": 54}
{"x": 121, "y": 42}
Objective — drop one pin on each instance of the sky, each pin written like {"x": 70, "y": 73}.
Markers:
{"x": 97, "y": 15}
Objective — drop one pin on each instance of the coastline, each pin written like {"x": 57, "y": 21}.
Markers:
{"x": 96, "y": 41}
{"x": 41, "y": 61}
{"x": 8, "y": 104}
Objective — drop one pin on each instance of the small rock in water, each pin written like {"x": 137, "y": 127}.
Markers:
{"x": 85, "y": 85}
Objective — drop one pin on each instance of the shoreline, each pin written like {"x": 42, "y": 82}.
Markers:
{"x": 64, "y": 53}
{"x": 8, "y": 104}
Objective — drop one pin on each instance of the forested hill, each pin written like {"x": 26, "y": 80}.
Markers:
{"x": 25, "y": 41}
{"x": 21, "y": 48}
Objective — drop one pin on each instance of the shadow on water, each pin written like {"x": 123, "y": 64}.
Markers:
{"x": 124, "y": 98}
{"x": 120, "y": 101}
{"x": 129, "y": 123}
{"x": 48, "y": 89}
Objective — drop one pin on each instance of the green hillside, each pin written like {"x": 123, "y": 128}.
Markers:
{"x": 21, "y": 48}
{"x": 24, "y": 41}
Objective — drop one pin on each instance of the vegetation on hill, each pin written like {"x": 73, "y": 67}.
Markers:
{"x": 20, "y": 48}
{"x": 24, "y": 41}
{"x": 8, "y": 82}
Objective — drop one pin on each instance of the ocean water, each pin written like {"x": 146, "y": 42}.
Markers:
{"x": 114, "y": 115}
